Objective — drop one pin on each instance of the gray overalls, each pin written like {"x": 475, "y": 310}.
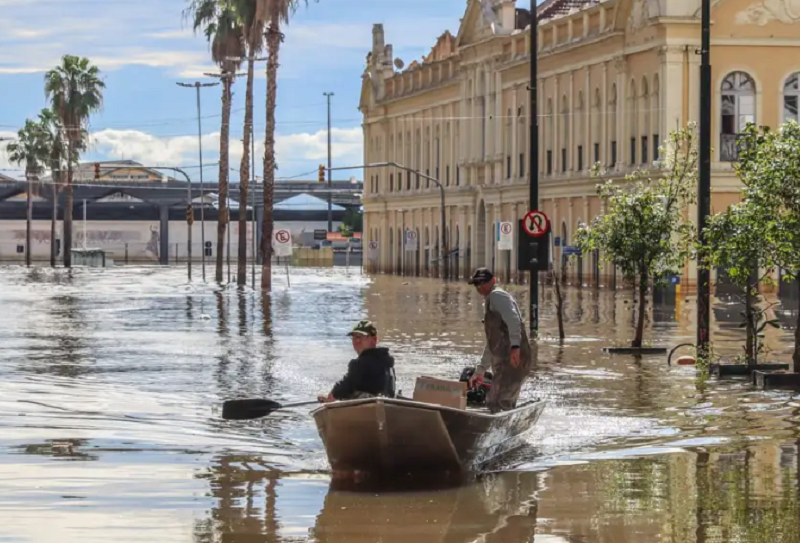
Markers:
{"x": 506, "y": 380}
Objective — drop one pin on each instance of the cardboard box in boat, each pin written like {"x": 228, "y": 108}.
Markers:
{"x": 441, "y": 392}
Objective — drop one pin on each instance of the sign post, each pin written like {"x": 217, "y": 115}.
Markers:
{"x": 505, "y": 236}
{"x": 282, "y": 246}
{"x": 533, "y": 252}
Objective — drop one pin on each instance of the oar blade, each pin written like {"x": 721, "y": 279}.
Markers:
{"x": 248, "y": 409}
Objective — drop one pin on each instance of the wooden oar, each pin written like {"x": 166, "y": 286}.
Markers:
{"x": 255, "y": 408}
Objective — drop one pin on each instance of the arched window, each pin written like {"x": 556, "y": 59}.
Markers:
{"x": 580, "y": 135}
{"x": 551, "y": 137}
{"x": 596, "y": 126}
{"x": 612, "y": 128}
{"x": 633, "y": 124}
{"x": 564, "y": 131}
{"x": 791, "y": 97}
{"x": 508, "y": 143}
{"x": 655, "y": 117}
{"x": 738, "y": 109}
{"x": 644, "y": 130}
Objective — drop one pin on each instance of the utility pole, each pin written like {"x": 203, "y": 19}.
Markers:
{"x": 330, "y": 184}
{"x": 704, "y": 181}
{"x": 197, "y": 86}
{"x": 533, "y": 166}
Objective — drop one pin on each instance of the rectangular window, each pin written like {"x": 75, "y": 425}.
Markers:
{"x": 596, "y": 153}
{"x": 522, "y": 164}
{"x": 655, "y": 147}
{"x": 613, "y": 154}
{"x": 645, "y": 149}
{"x": 633, "y": 151}
{"x": 563, "y": 160}
{"x": 549, "y": 161}
{"x": 580, "y": 158}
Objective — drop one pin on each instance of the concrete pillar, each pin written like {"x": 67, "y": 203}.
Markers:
{"x": 163, "y": 245}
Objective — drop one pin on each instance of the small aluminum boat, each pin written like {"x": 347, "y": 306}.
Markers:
{"x": 401, "y": 436}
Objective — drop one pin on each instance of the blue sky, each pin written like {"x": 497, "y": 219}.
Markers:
{"x": 144, "y": 47}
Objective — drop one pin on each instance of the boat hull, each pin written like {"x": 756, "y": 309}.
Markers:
{"x": 397, "y": 436}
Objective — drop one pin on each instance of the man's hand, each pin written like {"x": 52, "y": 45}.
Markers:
{"x": 515, "y": 357}
{"x": 476, "y": 379}
{"x": 326, "y": 399}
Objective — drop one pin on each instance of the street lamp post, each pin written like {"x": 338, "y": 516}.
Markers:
{"x": 197, "y": 86}
{"x": 330, "y": 186}
{"x": 704, "y": 180}
{"x": 533, "y": 167}
{"x": 445, "y": 249}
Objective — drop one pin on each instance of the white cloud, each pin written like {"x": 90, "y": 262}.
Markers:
{"x": 295, "y": 153}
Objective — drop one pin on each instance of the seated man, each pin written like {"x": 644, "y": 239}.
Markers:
{"x": 371, "y": 374}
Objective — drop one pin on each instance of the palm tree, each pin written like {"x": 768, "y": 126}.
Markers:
{"x": 54, "y": 140}
{"x": 75, "y": 91}
{"x": 221, "y": 26}
{"x": 253, "y": 29}
{"x": 272, "y": 13}
{"x": 28, "y": 148}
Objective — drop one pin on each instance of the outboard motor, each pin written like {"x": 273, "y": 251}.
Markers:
{"x": 476, "y": 396}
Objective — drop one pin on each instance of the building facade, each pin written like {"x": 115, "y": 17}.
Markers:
{"x": 615, "y": 77}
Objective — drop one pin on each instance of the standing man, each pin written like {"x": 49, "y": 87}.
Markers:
{"x": 507, "y": 351}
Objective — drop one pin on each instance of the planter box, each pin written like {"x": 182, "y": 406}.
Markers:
{"x": 767, "y": 380}
{"x": 635, "y": 350}
{"x": 743, "y": 370}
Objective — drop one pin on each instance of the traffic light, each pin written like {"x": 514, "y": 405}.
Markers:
{"x": 189, "y": 214}
{"x": 96, "y": 171}
{"x": 322, "y": 173}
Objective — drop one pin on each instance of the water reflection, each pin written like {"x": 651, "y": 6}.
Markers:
{"x": 125, "y": 369}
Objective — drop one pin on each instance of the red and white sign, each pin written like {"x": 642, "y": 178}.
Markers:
{"x": 536, "y": 224}
{"x": 282, "y": 243}
{"x": 505, "y": 236}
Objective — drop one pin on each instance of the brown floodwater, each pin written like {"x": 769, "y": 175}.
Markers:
{"x": 111, "y": 383}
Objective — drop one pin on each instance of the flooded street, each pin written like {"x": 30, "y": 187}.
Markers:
{"x": 111, "y": 383}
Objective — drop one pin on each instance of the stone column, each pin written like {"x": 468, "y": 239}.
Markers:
{"x": 163, "y": 239}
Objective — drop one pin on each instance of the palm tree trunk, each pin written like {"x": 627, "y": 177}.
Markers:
{"x": 274, "y": 38}
{"x": 28, "y": 219}
{"x": 222, "y": 218}
{"x": 244, "y": 174}
{"x": 54, "y": 219}
{"x": 68, "y": 208}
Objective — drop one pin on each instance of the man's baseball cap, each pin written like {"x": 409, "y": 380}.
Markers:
{"x": 363, "y": 328}
{"x": 480, "y": 276}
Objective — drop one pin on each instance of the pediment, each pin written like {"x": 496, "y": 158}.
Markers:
{"x": 119, "y": 196}
{"x": 476, "y": 25}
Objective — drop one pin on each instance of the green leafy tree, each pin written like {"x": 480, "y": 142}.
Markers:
{"x": 29, "y": 149}
{"x": 763, "y": 230}
{"x": 643, "y": 231}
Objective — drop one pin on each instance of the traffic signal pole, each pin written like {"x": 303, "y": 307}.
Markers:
{"x": 533, "y": 167}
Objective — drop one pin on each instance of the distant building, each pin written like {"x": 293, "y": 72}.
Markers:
{"x": 615, "y": 77}
{"x": 140, "y": 213}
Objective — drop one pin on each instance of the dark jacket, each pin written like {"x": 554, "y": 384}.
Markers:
{"x": 371, "y": 373}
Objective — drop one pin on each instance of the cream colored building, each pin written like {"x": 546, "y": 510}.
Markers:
{"x": 615, "y": 76}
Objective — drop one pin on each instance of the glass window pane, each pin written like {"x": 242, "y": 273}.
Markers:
{"x": 790, "y": 108}
{"x": 791, "y": 84}
{"x": 747, "y": 105}
{"x": 727, "y": 83}
{"x": 728, "y": 105}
